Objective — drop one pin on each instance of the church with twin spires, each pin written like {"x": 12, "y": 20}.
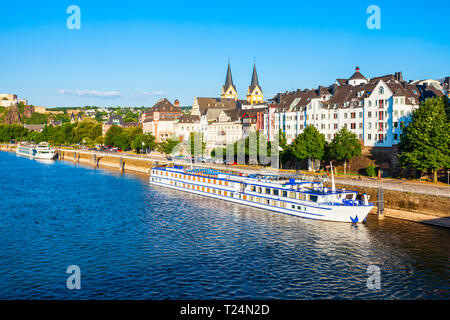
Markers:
{"x": 229, "y": 98}
{"x": 254, "y": 92}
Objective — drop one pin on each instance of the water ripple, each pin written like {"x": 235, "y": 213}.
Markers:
{"x": 134, "y": 241}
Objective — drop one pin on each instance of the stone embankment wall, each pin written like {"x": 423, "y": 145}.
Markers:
{"x": 405, "y": 201}
{"x": 107, "y": 161}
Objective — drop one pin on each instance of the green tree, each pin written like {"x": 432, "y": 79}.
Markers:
{"x": 99, "y": 140}
{"x": 36, "y": 136}
{"x": 95, "y": 131}
{"x": 37, "y": 118}
{"x": 371, "y": 170}
{"x": 144, "y": 141}
{"x": 309, "y": 144}
{"x": 112, "y": 132}
{"x": 121, "y": 141}
{"x": 344, "y": 147}
{"x": 131, "y": 133}
{"x": 425, "y": 142}
{"x": 15, "y": 132}
{"x": 447, "y": 107}
{"x": 167, "y": 146}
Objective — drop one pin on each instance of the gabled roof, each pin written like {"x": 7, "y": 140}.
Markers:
{"x": 357, "y": 75}
{"x": 224, "y": 103}
{"x": 187, "y": 118}
{"x": 115, "y": 117}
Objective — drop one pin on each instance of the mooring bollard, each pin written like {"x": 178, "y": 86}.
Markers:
{"x": 380, "y": 203}
{"x": 94, "y": 160}
{"x": 121, "y": 165}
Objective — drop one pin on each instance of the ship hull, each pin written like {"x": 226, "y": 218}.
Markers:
{"x": 336, "y": 213}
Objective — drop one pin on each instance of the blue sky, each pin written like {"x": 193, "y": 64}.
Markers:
{"x": 132, "y": 53}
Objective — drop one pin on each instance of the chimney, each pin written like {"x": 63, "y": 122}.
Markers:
{"x": 320, "y": 90}
{"x": 334, "y": 88}
{"x": 278, "y": 99}
{"x": 176, "y": 103}
{"x": 447, "y": 81}
{"x": 398, "y": 76}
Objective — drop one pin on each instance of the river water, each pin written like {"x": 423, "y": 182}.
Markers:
{"x": 135, "y": 241}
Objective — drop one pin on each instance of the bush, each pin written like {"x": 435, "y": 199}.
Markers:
{"x": 371, "y": 170}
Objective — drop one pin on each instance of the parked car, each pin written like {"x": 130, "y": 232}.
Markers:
{"x": 200, "y": 159}
{"x": 218, "y": 161}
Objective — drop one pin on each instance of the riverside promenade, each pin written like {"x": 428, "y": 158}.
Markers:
{"x": 413, "y": 201}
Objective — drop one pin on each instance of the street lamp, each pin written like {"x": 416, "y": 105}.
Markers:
{"x": 448, "y": 178}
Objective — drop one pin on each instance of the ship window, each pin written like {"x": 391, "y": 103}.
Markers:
{"x": 275, "y": 203}
{"x": 293, "y": 206}
{"x": 276, "y": 192}
{"x": 292, "y": 195}
{"x": 220, "y": 182}
{"x": 298, "y": 207}
{"x": 259, "y": 190}
{"x": 313, "y": 198}
{"x": 203, "y": 188}
{"x": 209, "y": 180}
{"x": 268, "y": 190}
{"x": 226, "y": 183}
{"x": 284, "y": 193}
{"x": 219, "y": 192}
{"x": 252, "y": 188}
{"x": 245, "y": 197}
{"x": 267, "y": 201}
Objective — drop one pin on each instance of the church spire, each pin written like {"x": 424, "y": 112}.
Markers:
{"x": 229, "y": 78}
{"x": 254, "y": 82}
{"x": 228, "y": 89}
{"x": 254, "y": 94}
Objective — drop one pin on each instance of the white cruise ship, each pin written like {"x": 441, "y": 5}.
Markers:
{"x": 299, "y": 198}
{"x": 41, "y": 151}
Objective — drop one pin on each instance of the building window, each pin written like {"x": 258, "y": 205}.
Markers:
{"x": 381, "y": 90}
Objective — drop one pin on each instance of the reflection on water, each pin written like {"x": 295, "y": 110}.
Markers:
{"x": 135, "y": 241}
